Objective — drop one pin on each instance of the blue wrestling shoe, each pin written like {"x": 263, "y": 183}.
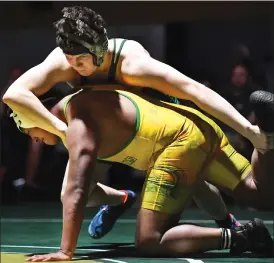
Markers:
{"x": 105, "y": 219}
{"x": 230, "y": 222}
{"x": 235, "y": 224}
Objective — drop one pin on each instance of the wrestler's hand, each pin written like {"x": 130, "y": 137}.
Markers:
{"x": 261, "y": 140}
{"x": 58, "y": 256}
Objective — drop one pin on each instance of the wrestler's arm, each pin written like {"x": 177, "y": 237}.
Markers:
{"x": 21, "y": 95}
{"x": 82, "y": 140}
{"x": 140, "y": 69}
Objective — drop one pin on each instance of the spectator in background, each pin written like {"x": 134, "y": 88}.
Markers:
{"x": 237, "y": 93}
{"x": 241, "y": 55}
{"x": 239, "y": 90}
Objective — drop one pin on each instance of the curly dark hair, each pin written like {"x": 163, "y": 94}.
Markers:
{"x": 81, "y": 22}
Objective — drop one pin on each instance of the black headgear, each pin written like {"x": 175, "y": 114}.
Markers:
{"x": 98, "y": 48}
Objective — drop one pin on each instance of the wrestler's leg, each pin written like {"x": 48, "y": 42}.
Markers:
{"x": 113, "y": 205}
{"x": 99, "y": 194}
{"x": 157, "y": 236}
{"x": 103, "y": 194}
{"x": 233, "y": 173}
{"x": 170, "y": 184}
{"x": 208, "y": 198}
{"x": 165, "y": 194}
{"x": 203, "y": 197}
{"x": 153, "y": 238}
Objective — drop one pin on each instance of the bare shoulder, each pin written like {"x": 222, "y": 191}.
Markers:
{"x": 57, "y": 58}
{"x": 130, "y": 48}
{"x": 131, "y": 54}
{"x": 57, "y": 61}
{"x": 136, "y": 49}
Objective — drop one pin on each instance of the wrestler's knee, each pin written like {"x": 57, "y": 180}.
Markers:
{"x": 151, "y": 226}
{"x": 151, "y": 247}
{"x": 147, "y": 240}
{"x": 157, "y": 244}
{"x": 148, "y": 245}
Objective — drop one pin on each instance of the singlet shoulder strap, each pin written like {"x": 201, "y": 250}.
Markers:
{"x": 67, "y": 101}
{"x": 115, "y": 59}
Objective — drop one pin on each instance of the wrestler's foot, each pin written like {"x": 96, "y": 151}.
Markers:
{"x": 106, "y": 217}
{"x": 253, "y": 237}
{"x": 230, "y": 222}
{"x": 262, "y": 103}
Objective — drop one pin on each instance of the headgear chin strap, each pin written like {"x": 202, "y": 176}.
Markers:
{"x": 22, "y": 122}
{"x": 98, "y": 49}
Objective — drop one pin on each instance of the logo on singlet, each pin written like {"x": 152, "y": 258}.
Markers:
{"x": 129, "y": 160}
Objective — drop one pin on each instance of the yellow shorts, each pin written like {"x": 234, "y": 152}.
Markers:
{"x": 202, "y": 152}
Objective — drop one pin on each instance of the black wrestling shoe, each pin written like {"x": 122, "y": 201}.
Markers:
{"x": 252, "y": 237}
{"x": 262, "y": 103}
{"x": 261, "y": 240}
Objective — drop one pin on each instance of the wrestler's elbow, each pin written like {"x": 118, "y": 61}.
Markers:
{"x": 19, "y": 87}
{"x": 17, "y": 95}
{"x": 12, "y": 94}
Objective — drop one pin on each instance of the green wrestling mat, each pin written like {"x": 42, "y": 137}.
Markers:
{"x": 32, "y": 229}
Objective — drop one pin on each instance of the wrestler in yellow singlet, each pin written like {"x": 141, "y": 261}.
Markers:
{"x": 177, "y": 146}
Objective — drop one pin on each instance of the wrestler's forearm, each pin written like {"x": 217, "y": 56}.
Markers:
{"x": 212, "y": 103}
{"x": 24, "y": 102}
{"x": 73, "y": 215}
{"x": 75, "y": 196}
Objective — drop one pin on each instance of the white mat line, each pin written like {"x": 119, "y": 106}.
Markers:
{"x": 119, "y": 221}
{"x": 113, "y": 260}
{"x": 190, "y": 260}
